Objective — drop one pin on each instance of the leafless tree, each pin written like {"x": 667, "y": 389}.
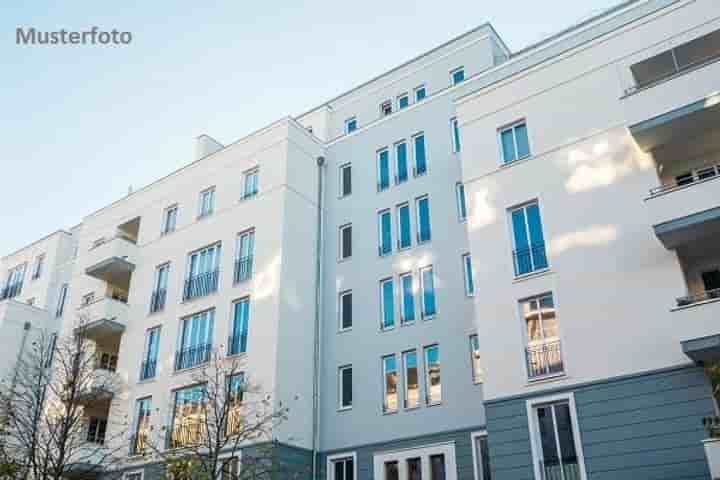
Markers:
{"x": 44, "y": 407}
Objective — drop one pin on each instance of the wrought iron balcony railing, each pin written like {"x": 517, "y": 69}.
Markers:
{"x": 530, "y": 259}
{"x": 157, "y": 300}
{"x": 192, "y": 356}
{"x": 201, "y": 285}
{"x": 544, "y": 359}
{"x": 243, "y": 269}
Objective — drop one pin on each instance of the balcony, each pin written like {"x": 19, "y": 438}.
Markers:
{"x": 99, "y": 387}
{"x": 201, "y": 285}
{"x": 105, "y": 317}
{"x": 688, "y": 209}
{"x": 698, "y": 315}
{"x": 243, "y": 269}
{"x": 112, "y": 260}
{"x": 544, "y": 360}
{"x": 192, "y": 356}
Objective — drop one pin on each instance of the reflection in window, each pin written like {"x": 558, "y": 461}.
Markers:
{"x": 390, "y": 374}
{"x": 432, "y": 371}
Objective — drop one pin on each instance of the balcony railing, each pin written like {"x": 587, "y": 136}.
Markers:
{"x": 530, "y": 259}
{"x": 192, "y": 356}
{"x": 11, "y": 291}
{"x": 185, "y": 435}
{"x": 697, "y": 298}
{"x": 243, "y": 269}
{"x": 544, "y": 359}
{"x": 201, "y": 285}
{"x": 138, "y": 443}
{"x": 237, "y": 344}
{"x": 157, "y": 300}
{"x": 147, "y": 369}
{"x": 693, "y": 177}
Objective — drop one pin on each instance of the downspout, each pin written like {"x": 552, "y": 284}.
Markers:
{"x": 318, "y": 319}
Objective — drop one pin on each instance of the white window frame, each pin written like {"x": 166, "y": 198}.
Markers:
{"x": 460, "y": 199}
{"x": 408, "y": 166}
{"x": 531, "y": 408}
{"x": 341, "y": 170}
{"x": 378, "y": 169}
{"x": 341, "y": 244}
{"x": 426, "y": 372}
{"x": 424, "y": 453}
{"x": 332, "y": 459}
{"x": 418, "y": 220}
{"x": 382, "y": 283}
{"x": 403, "y": 95}
{"x": 416, "y": 90}
{"x": 398, "y": 368}
{"x": 512, "y": 126}
{"x": 341, "y": 310}
{"x": 340, "y": 405}
{"x": 454, "y": 141}
{"x": 414, "y": 155}
{"x": 164, "y": 230}
{"x": 129, "y": 475}
{"x": 468, "y": 274}
{"x": 402, "y": 297}
{"x": 347, "y": 125}
{"x": 246, "y": 174}
{"x": 477, "y": 455}
{"x": 424, "y": 315}
{"x": 455, "y": 70}
{"x": 398, "y": 207}
{"x": 380, "y": 215}
{"x": 201, "y": 212}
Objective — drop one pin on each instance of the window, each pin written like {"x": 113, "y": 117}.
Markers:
{"x": 455, "y": 135}
{"x": 555, "y": 440}
{"x": 203, "y": 272}
{"x": 711, "y": 282}
{"x": 235, "y": 392}
{"x": 403, "y": 101}
{"x": 345, "y": 180}
{"x": 469, "y": 282}
{"x": 387, "y": 300}
{"x": 481, "y": 456}
{"x": 346, "y": 312}
{"x": 420, "y": 156}
{"x": 423, "y": 219}
{"x": 341, "y": 467}
{"x": 195, "y": 341}
{"x": 385, "y": 232}
{"x": 407, "y": 298}
{"x": 139, "y": 441}
{"x": 244, "y": 255}
{"x": 231, "y": 468}
{"x": 134, "y": 476}
{"x": 96, "y": 430}
{"x": 50, "y": 350}
{"x": 157, "y": 298}
{"x": 350, "y": 125}
{"x": 529, "y": 252}
{"x": 427, "y": 289}
{"x": 87, "y": 299}
{"x": 457, "y": 75}
{"x": 150, "y": 357}
{"x": 250, "y": 188}
{"x": 412, "y": 384}
{"x": 543, "y": 353}
{"x": 345, "y": 241}
{"x": 514, "y": 142}
{"x": 383, "y": 162}
{"x": 401, "y": 162}
{"x": 390, "y": 383}
{"x": 477, "y": 372}
{"x": 169, "y": 220}
{"x": 461, "y": 201}
{"x": 386, "y": 108}
{"x": 106, "y": 361}
{"x": 403, "y": 219}
{"x": 188, "y": 420}
{"x": 37, "y": 271}
{"x": 61, "y": 300}
{"x": 345, "y": 387}
{"x": 435, "y": 462}
{"x": 13, "y": 285}
{"x": 207, "y": 202}
{"x": 420, "y": 93}
{"x": 433, "y": 388}
{"x": 237, "y": 343}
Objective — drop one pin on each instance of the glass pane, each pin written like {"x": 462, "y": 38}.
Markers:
{"x": 437, "y": 467}
{"x": 408, "y": 299}
{"x": 532, "y": 320}
{"x": 522, "y": 258}
{"x": 546, "y": 427}
{"x": 402, "y": 167}
{"x": 388, "y": 304}
{"x": 347, "y": 180}
{"x": 391, "y": 471}
{"x": 384, "y": 169}
{"x": 549, "y": 320}
{"x": 456, "y": 136}
{"x": 420, "y": 159}
{"x": 462, "y": 207}
{"x": 424, "y": 219}
{"x": 432, "y": 366}
{"x": 469, "y": 281}
{"x": 414, "y": 469}
{"x": 412, "y": 388}
{"x": 339, "y": 471}
{"x": 428, "y": 292}
{"x": 521, "y": 138}
{"x": 537, "y": 242}
{"x": 347, "y": 310}
{"x": 419, "y": 94}
{"x": 347, "y": 242}
{"x": 391, "y": 380}
{"x": 699, "y": 50}
{"x": 404, "y": 214}
{"x": 349, "y": 469}
{"x": 403, "y": 102}
{"x": 565, "y": 436}
{"x": 654, "y": 68}
{"x": 385, "y": 233}
{"x": 347, "y": 387}
{"x": 508, "y": 146}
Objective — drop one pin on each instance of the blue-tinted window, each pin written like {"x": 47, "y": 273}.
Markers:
{"x": 469, "y": 281}
{"x": 529, "y": 254}
{"x": 404, "y": 235}
{"x": 408, "y": 298}
{"x": 458, "y": 75}
{"x": 514, "y": 142}
{"x": 420, "y": 93}
{"x": 428, "y": 292}
{"x": 460, "y": 197}
{"x": 241, "y": 318}
{"x": 423, "y": 213}
{"x": 383, "y": 170}
{"x": 420, "y": 155}
{"x": 403, "y": 101}
{"x": 388, "y": 303}
{"x": 350, "y": 125}
{"x": 385, "y": 219}
{"x": 402, "y": 162}
{"x": 455, "y": 131}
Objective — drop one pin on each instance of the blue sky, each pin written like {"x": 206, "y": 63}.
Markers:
{"x": 81, "y": 123}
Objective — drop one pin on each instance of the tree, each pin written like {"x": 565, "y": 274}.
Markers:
{"x": 44, "y": 407}
{"x": 219, "y": 416}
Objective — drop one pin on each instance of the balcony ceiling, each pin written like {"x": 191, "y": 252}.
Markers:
{"x": 690, "y": 230}
{"x": 114, "y": 270}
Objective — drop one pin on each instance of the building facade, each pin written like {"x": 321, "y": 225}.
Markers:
{"x": 480, "y": 264}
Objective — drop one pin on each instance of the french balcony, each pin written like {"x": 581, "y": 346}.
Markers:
{"x": 243, "y": 269}
{"x": 544, "y": 360}
{"x": 192, "y": 356}
{"x": 148, "y": 369}
{"x": 157, "y": 300}
{"x": 112, "y": 260}
{"x": 10, "y": 291}
{"x": 201, "y": 285}
{"x": 686, "y": 210}
{"x": 237, "y": 344}
{"x": 530, "y": 259}
{"x": 103, "y": 318}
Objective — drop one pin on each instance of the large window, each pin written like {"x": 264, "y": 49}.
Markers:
{"x": 391, "y": 378}
{"x": 244, "y": 256}
{"x": 407, "y": 298}
{"x": 203, "y": 272}
{"x": 423, "y": 219}
{"x": 387, "y": 304}
{"x": 457, "y": 75}
{"x": 207, "y": 202}
{"x": 148, "y": 367}
{"x": 383, "y": 169}
{"x": 14, "y": 282}
{"x": 477, "y": 371}
{"x": 341, "y": 467}
{"x": 345, "y": 241}
{"x": 404, "y": 229}
{"x": 237, "y": 343}
{"x": 529, "y": 244}
{"x": 141, "y": 435}
{"x": 461, "y": 202}
{"x": 433, "y": 385}
{"x": 427, "y": 292}
{"x": 401, "y": 162}
{"x": 345, "y": 180}
{"x": 37, "y": 270}
{"x": 412, "y": 381}
{"x": 543, "y": 352}
{"x": 420, "y": 155}
{"x": 61, "y": 300}
{"x": 514, "y": 142}
{"x": 96, "y": 430}
{"x": 195, "y": 340}
{"x": 250, "y": 183}
{"x": 345, "y": 387}
{"x": 481, "y": 456}
{"x": 455, "y": 135}
{"x": 468, "y": 271}
{"x": 169, "y": 220}
{"x": 234, "y": 403}
{"x": 385, "y": 232}
{"x": 159, "y": 294}
{"x": 436, "y": 462}
{"x": 345, "y": 304}
{"x": 188, "y": 420}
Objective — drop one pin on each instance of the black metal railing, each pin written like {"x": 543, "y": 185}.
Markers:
{"x": 697, "y": 298}
{"x": 138, "y": 443}
{"x": 147, "y": 369}
{"x": 201, "y": 285}
{"x": 544, "y": 359}
{"x": 189, "y": 357}
{"x": 530, "y": 259}
{"x": 185, "y": 435}
{"x": 243, "y": 269}
{"x": 11, "y": 291}
{"x": 157, "y": 300}
{"x": 250, "y": 193}
{"x": 237, "y": 344}
{"x": 696, "y": 176}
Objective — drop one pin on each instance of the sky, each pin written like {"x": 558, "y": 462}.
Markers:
{"x": 79, "y": 125}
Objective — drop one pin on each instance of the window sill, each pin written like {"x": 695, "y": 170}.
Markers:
{"x": 194, "y": 368}
{"x": 546, "y": 379}
{"x": 344, "y": 409}
{"x": 343, "y": 260}
{"x": 407, "y": 323}
{"x": 477, "y": 382}
{"x": 146, "y": 381}
{"x": 390, "y": 412}
{"x": 387, "y": 329}
{"x": 531, "y": 275}
{"x": 434, "y": 404}
{"x": 344, "y": 330}
{"x": 517, "y": 161}
{"x": 427, "y": 318}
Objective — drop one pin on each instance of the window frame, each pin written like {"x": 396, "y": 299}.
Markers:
{"x": 378, "y": 168}
{"x": 524, "y": 206}
{"x": 418, "y": 219}
{"x": 62, "y": 298}
{"x": 512, "y": 126}
{"x": 417, "y": 89}
{"x": 348, "y": 122}
{"x": 164, "y": 228}
{"x": 477, "y": 456}
{"x": 455, "y": 135}
{"x": 382, "y": 283}
{"x": 340, "y": 457}
{"x": 201, "y": 206}
{"x": 385, "y": 408}
{"x": 341, "y": 180}
{"x": 399, "y": 100}
{"x": 426, "y": 372}
{"x": 398, "y": 224}
{"x": 341, "y": 311}
{"x": 244, "y": 326}
{"x": 416, "y": 172}
{"x": 423, "y": 314}
{"x": 461, "y": 202}
{"x": 398, "y": 180}
{"x": 340, "y": 405}
{"x": 477, "y": 377}
{"x": 250, "y": 172}
{"x": 468, "y": 274}
{"x": 402, "y": 276}
{"x": 424, "y": 452}
{"x": 418, "y": 373}
{"x": 380, "y": 216}
{"x": 341, "y": 242}
{"x": 453, "y": 72}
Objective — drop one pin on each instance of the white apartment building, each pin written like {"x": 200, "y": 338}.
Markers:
{"x": 473, "y": 259}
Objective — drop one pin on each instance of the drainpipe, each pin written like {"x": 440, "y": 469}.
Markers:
{"x": 318, "y": 319}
